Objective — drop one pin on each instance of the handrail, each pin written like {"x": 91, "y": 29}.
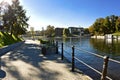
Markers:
{"x": 94, "y": 54}
{"x": 97, "y": 55}
{"x": 104, "y": 71}
{"x": 91, "y": 67}
{"x": 88, "y": 65}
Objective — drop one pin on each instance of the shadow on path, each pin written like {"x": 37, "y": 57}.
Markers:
{"x": 27, "y": 63}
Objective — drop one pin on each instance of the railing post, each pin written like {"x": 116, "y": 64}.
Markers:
{"x": 73, "y": 65}
{"x": 62, "y": 52}
{"x": 105, "y": 65}
{"x": 56, "y": 47}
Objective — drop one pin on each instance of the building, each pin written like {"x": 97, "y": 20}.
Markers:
{"x": 76, "y": 30}
{"x": 59, "y": 32}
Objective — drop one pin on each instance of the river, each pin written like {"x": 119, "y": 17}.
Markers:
{"x": 97, "y": 46}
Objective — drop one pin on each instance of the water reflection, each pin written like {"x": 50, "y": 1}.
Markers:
{"x": 99, "y": 46}
{"x": 109, "y": 46}
{"x": 77, "y": 42}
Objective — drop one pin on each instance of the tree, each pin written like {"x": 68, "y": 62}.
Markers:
{"x": 108, "y": 25}
{"x": 3, "y": 9}
{"x": 50, "y": 31}
{"x": 91, "y": 30}
{"x": 113, "y": 19}
{"x": 86, "y": 31}
{"x": 32, "y": 31}
{"x": 98, "y": 26}
{"x": 66, "y": 32}
{"x": 117, "y": 25}
{"x": 15, "y": 19}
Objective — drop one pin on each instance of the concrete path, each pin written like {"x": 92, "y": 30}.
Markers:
{"x": 27, "y": 63}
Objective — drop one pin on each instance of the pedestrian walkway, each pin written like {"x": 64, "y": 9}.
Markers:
{"x": 27, "y": 63}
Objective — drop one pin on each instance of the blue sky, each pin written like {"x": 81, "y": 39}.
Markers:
{"x": 65, "y": 13}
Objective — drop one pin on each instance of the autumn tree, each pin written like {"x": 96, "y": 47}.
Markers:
{"x": 86, "y": 31}
{"x": 91, "y": 30}
{"x": 108, "y": 25}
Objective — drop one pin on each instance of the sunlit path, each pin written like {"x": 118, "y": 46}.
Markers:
{"x": 27, "y": 63}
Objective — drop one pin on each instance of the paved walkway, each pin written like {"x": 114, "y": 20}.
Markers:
{"x": 27, "y": 63}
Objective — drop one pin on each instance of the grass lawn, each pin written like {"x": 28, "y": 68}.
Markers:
{"x": 116, "y": 34}
{"x": 6, "y": 39}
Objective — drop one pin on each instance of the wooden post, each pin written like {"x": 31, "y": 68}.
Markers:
{"x": 105, "y": 65}
{"x": 62, "y": 52}
{"x": 56, "y": 47}
{"x": 53, "y": 42}
{"x": 73, "y": 65}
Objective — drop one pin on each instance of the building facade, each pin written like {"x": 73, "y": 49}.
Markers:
{"x": 59, "y": 32}
{"x": 76, "y": 30}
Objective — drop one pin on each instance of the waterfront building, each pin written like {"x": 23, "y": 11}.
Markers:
{"x": 59, "y": 32}
{"x": 76, "y": 30}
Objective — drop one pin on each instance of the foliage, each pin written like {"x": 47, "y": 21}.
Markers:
{"x": 6, "y": 39}
{"x": 86, "y": 31}
{"x": 116, "y": 34}
{"x": 47, "y": 42}
{"x": 91, "y": 30}
{"x": 50, "y": 31}
{"x": 108, "y": 25}
{"x": 14, "y": 19}
{"x": 44, "y": 41}
{"x": 66, "y": 32}
{"x": 32, "y": 31}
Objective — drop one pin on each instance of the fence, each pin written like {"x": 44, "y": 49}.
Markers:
{"x": 105, "y": 63}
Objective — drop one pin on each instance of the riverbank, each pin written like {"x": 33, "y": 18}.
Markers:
{"x": 109, "y": 36}
{"x": 7, "y": 39}
{"x": 27, "y": 63}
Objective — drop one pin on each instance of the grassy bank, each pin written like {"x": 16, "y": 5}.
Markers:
{"x": 7, "y": 39}
{"x": 116, "y": 34}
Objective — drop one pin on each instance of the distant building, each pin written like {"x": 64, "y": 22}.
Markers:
{"x": 59, "y": 32}
{"x": 76, "y": 30}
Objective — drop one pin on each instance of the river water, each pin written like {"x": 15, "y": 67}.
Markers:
{"x": 101, "y": 47}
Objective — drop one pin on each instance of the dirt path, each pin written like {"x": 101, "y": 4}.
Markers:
{"x": 27, "y": 63}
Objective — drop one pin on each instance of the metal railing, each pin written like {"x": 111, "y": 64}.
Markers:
{"x": 105, "y": 63}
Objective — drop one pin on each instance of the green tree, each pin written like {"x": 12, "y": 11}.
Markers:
{"x": 50, "y": 31}
{"x": 107, "y": 25}
{"x": 117, "y": 25}
{"x": 32, "y": 32}
{"x": 3, "y": 9}
{"x": 66, "y": 32}
{"x": 113, "y": 19}
{"x": 15, "y": 19}
{"x": 98, "y": 26}
{"x": 86, "y": 31}
{"x": 91, "y": 30}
